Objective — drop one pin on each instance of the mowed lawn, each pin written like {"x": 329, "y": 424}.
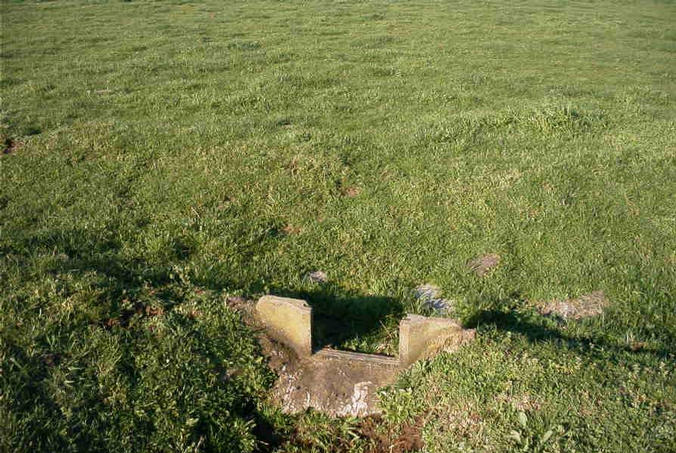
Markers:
{"x": 163, "y": 160}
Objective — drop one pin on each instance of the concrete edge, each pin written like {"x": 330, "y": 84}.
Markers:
{"x": 289, "y": 321}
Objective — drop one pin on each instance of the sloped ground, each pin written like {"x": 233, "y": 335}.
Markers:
{"x": 162, "y": 159}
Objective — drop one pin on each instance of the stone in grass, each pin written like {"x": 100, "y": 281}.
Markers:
{"x": 584, "y": 306}
{"x": 482, "y": 265}
{"x": 317, "y": 277}
{"x": 430, "y": 296}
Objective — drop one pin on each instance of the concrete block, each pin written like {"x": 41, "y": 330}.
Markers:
{"x": 288, "y": 321}
{"x": 421, "y": 337}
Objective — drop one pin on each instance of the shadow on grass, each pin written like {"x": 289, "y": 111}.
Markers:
{"x": 131, "y": 289}
{"x": 341, "y": 317}
{"x": 511, "y": 321}
{"x": 128, "y": 293}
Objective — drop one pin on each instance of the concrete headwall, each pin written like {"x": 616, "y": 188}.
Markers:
{"x": 421, "y": 337}
{"x": 340, "y": 382}
{"x": 288, "y": 321}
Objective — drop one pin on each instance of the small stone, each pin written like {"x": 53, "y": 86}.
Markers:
{"x": 427, "y": 291}
{"x": 317, "y": 277}
{"x": 430, "y": 296}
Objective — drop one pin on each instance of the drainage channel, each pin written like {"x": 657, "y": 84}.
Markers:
{"x": 341, "y": 383}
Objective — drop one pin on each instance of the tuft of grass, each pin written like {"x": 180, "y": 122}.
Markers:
{"x": 158, "y": 157}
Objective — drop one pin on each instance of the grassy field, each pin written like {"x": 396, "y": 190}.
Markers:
{"x": 163, "y": 158}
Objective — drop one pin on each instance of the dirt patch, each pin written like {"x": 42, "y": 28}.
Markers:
{"x": 193, "y": 314}
{"x": 126, "y": 315}
{"x": 10, "y": 146}
{"x": 291, "y": 229}
{"x": 317, "y": 277}
{"x": 377, "y": 435}
{"x": 483, "y": 265}
{"x": 584, "y": 306}
{"x": 457, "y": 420}
{"x": 153, "y": 311}
{"x": 351, "y": 192}
{"x": 281, "y": 359}
{"x": 51, "y": 359}
{"x": 111, "y": 322}
{"x": 239, "y": 303}
{"x": 521, "y": 402}
{"x": 407, "y": 438}
{"x": 636, "y": 346}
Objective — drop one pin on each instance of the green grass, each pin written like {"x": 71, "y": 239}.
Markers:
{"x": 167, "y": 155}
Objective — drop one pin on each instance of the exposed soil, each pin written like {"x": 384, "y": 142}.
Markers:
{"x": 125, "y": 316}
{"x": 51, "y": 359}
{"x": 153, "y": 311}
{"x": 482, "y": 265}
{"x": 317, "y": 277}
{"x": 10, "y": 146}
{"x": 351, "y": 192}
{"x": 239, "y": 303}
{"x": 291, "y": 229}
{"x": 407, "y": 439}
{"x": 379, "y": 436}
{"x": 584, "y": 306}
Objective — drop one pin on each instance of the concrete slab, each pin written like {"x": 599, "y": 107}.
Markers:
{"x": 337, "y": 383}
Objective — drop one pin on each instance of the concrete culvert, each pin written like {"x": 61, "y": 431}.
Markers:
{"x": 341, "y": 383}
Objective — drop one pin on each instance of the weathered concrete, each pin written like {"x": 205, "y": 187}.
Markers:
{"x": 341, "y": 383}
{"x": 336, "y": 383}
{"x": 421, "y": 337}
{"x": 373, "y": 359}
{"x": 288, "y": 321}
